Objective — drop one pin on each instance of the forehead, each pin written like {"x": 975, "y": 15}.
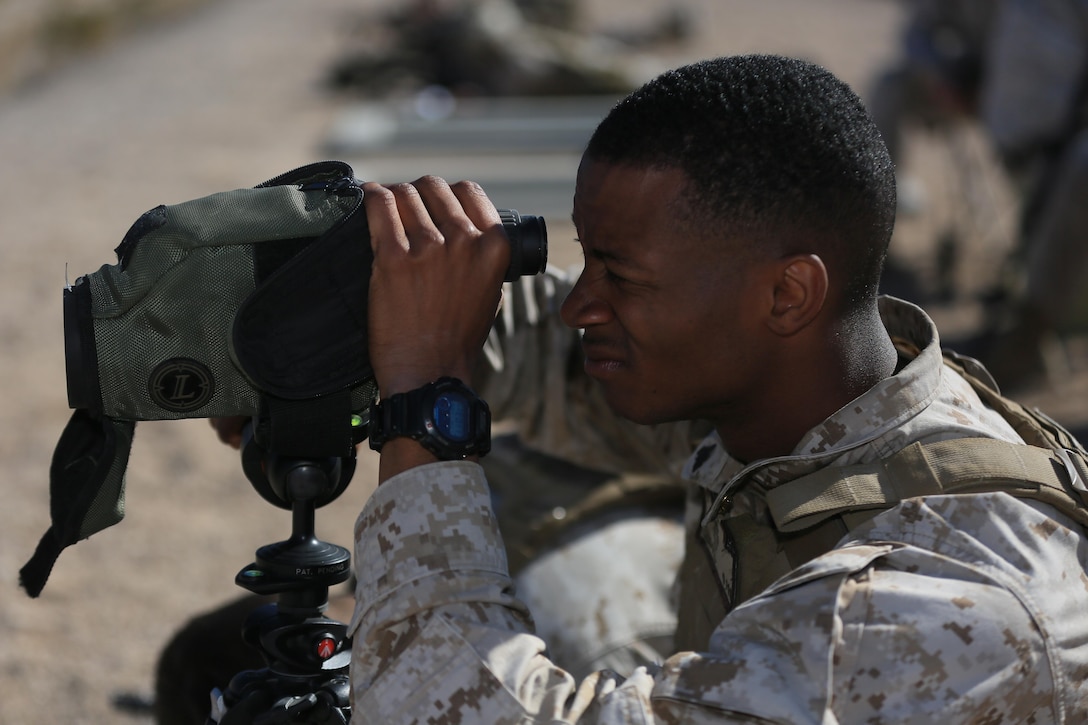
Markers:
{"x": 604, "y": 186}
{"x": 620, "y": 200}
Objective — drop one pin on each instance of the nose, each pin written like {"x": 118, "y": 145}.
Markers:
{"x": 583, "y": 307}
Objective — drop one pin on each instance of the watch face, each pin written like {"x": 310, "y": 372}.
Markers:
{"x": 453, "y": 416}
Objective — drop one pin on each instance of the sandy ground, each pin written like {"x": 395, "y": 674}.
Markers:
{"x": 223, "y": 99}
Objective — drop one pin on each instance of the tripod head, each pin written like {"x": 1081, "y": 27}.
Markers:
{"x": 307, "y": 654}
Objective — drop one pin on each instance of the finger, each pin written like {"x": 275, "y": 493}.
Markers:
{"x": 476, "y": 204}
{"x": 383, "y": 220}
{"x": 229, "y": 429}
{"x": 479, "y": 208}
{"x": 450, "y": 218}
{"x": 420, "y": 228}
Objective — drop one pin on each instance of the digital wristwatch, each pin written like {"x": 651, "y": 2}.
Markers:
{"x": 446, "y": 417}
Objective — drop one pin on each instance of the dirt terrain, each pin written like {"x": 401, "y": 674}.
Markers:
{"x": 224, "y": 98}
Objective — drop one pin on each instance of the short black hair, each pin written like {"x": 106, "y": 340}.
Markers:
{"x": 776, "y": 149}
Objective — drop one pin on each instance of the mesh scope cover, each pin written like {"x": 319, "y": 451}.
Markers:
{"x": 249, "y": 302}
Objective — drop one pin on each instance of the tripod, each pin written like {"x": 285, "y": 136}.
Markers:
{"x": 306, "y": 653}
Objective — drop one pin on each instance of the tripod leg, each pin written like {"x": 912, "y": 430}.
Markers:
{"x": 207, "y": 652}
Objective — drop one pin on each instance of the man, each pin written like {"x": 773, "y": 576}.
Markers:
{"x": 936, "y": 79}
{"x": 1033, "y": 107}
{"x": 734, "y": 215}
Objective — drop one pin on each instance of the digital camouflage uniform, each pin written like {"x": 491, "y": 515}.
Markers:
{"x": 943, "y": 609}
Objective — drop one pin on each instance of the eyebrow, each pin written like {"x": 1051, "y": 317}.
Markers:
{"x": 620, "y": 260}
{"x": 607, "y": 255}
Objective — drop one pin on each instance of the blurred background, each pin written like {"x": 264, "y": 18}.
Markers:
{"x": 111, "y": 107}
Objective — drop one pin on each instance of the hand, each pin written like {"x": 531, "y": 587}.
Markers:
{"x": 439, "y": 257}
{"x": 229, "y": 429}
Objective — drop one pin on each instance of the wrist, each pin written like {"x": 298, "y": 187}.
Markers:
{"x": 400, "y": 454}
{"x": 407, "y": 378}
{"x": 441, "y": 420}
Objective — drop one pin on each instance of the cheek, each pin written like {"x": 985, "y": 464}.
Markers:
{"x": 704, "y": 339}
{"x": 675, "y": 341}
{"x": 703, "y": 320}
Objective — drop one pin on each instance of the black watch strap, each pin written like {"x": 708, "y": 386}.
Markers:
{"x": 394, "y": 417}
{"x": 446, "y": 417}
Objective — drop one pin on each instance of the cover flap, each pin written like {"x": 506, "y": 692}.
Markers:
{"x": 303, "y": 332}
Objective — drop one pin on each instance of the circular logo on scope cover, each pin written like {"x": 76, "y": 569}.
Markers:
{"x": 181, "y": 384}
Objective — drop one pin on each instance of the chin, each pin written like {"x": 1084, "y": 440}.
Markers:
{"x": 636, "y": 414}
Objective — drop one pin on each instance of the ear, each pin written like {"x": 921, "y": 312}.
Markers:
{"x": 800, "y": 292}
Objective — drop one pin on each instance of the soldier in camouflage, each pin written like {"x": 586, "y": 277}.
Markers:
{"x": 1034, "y": 105}
{"x": 937, "y": 77}
{"x": 1020, "y": 69}
{"x": 734, "y": 215}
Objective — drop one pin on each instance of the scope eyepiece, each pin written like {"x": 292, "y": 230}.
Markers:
{"x": 528, "y": 237}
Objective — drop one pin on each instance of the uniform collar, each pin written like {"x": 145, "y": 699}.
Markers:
{"x": 847, "y": 433}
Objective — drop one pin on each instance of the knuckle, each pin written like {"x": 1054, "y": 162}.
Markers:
{"x": 429, "y": 236}
{"x": 373, "y": 192}
{"x": 460, "y": 228}
{"x": 429, "y": 181}
{"x": 469, "y": 188}
{"x": 403, "y": 188}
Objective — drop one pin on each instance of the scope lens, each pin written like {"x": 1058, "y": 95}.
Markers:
{"x": 528, "y": 237}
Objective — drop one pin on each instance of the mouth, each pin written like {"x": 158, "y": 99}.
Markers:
{"x": 601, "y": 357}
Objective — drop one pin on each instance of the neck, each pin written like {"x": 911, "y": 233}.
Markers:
{"x": 818, "y": 377}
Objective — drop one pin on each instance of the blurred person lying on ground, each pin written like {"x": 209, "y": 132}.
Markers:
{"x": 500, "y": 48}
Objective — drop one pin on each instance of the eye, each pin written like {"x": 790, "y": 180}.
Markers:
{"x": 618, "y": 279}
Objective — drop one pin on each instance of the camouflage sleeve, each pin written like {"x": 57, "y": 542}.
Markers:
{"x": 888, "y": 633}
{"x": 437, "y": 631}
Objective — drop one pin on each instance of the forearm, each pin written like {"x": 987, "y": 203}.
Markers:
{"x": 437, "y": 628}
{"x": 400, "y": 455}
{"x": 438, "y": 632}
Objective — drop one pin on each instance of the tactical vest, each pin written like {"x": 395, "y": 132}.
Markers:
{"x": 811, "y": 514}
